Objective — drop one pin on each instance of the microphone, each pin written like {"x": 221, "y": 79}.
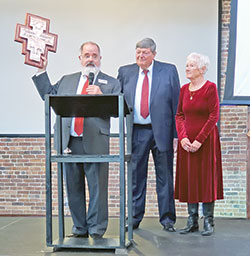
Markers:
{"x": 91, "y": 78}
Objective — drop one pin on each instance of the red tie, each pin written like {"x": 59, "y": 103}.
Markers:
{"x": 144, "y": 96}
{"x": 79, "y": 120}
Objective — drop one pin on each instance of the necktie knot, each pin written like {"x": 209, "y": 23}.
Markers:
{"x": 145, "y": 71}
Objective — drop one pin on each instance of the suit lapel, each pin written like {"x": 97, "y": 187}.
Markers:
{"x": 99, "y": 76}
{"x": 102, "y": 81}
{"x": 75, "y": 82}
{"x": 155, "y": 80}
{"x": 134, "y": 78}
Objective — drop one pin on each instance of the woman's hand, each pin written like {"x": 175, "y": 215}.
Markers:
{"x": 186, "y": 144}
{"x": 195, "y": 146}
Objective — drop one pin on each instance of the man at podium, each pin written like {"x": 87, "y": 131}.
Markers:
{"x": 84, "y": 136}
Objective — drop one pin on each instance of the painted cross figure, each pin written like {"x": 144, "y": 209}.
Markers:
{"x": 36, "y": 39}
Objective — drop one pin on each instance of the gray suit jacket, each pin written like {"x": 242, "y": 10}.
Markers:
{"x": 96, "y": 130}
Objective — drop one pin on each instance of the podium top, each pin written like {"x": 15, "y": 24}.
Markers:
{"x": 87, "y": 105}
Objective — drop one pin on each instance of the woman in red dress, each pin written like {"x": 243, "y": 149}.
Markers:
{"x": 198, "y": 167}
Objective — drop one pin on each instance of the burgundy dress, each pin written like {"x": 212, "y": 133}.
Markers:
{"x": 199, "y": 174}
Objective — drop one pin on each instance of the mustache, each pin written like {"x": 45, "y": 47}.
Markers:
{"x": 90, "y": 67}
{"x": 90, "y": 64}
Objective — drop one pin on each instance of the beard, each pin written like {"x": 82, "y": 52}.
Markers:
{"x": 90, "y": 67}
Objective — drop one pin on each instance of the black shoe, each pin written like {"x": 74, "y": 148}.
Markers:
{"x": 208, "y": 211}
{"x": 169, "y": 227}
{"x": 192, "y": 221}
{"x": 135, "y": 226}
{"x": 208, "y": 227}
{"x": 189, "y": 229}
{"x": 96, "y": 236}
{"x": 86, "y": 235}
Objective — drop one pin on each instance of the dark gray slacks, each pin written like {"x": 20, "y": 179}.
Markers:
{"x": 142, "y": 143}
{"x": 95, "y": 221}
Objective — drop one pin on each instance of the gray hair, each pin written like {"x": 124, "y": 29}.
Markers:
{"x": 90, "y": 42}
{"x": 200, "y": 59}
{"x": 147, "y": 43}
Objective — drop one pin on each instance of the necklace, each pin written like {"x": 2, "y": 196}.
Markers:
{"x": 191, "y": 95}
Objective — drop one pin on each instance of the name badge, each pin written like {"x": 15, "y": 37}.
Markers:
{"x": 102, "y": 81}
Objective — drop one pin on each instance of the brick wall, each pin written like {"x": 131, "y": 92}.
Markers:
{"x": 22, "y": 164}
{"x": 22, "y": 176}
{"x": 233, "y": 129}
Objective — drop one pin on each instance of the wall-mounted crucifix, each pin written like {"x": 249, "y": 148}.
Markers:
{"x": 36, "y": 39}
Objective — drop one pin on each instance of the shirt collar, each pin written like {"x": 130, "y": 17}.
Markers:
{"x": 86, "y": 75}
{"x": 150, "y": 68}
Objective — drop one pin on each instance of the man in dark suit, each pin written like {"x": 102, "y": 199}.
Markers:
{"x": 84, "y": 136}
{"x": 151, "y": 88}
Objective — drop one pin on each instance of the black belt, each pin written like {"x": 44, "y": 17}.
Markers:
{"x": 145, "y": 126}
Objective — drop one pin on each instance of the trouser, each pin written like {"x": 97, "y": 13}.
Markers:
{"x": 142, "y": 143}
{"x": 96, "y": 220}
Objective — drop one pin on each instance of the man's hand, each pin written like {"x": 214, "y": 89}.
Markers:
{"x": 45, "y": 63}
{"x": 93, "y": 89}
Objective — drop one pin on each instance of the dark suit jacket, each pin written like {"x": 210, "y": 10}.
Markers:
{"x": 96, "y": 130}
{"x": 163, "y": 102}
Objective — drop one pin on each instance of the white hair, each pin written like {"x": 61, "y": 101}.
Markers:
{"x": 200, "y": 59}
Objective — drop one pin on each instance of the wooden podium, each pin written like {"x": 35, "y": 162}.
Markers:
{"x": 88, "y": 106}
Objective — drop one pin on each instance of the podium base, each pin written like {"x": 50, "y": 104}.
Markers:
{"x": 90, "y": 243}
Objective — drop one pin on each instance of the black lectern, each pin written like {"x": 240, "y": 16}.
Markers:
{"x": 88, "y": 106}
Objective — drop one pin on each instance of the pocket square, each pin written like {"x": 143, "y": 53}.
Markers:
{"x": 102, "y": 81}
